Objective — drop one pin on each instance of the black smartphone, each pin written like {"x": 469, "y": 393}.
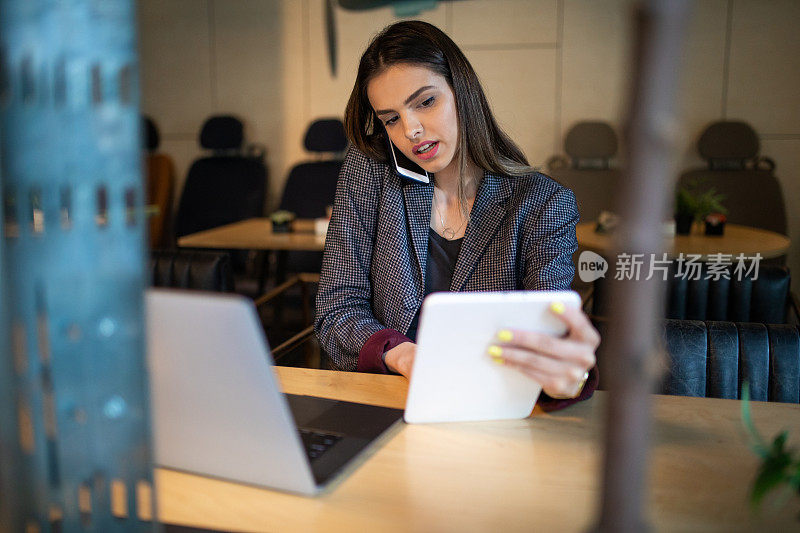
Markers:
{"x": 404, "y": 166}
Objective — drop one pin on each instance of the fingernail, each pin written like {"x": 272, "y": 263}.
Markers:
{"x": 557, "y": 307}
{"x": 505, "y": 335}
{"x": 496, "y": 353}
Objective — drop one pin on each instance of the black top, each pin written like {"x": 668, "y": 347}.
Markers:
{"x": 442, "y": 255}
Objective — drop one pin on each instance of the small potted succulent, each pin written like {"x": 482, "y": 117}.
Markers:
{"x": 282, "y": 221}
{"x": 606, "y": 222}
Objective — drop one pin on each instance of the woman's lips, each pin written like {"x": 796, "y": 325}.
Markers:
{"x": 430, "y": 153}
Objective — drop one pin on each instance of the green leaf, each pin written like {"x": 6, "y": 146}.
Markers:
{"x": 774, "y": 470}
{"x": 779, "y": 467}
{"x": 779, "y": 444}
{"x": 770, "y": 476}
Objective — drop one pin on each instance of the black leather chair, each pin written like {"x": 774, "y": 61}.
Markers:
{"x": 227, "y": 186}
{"x": 752, "y": 193}
{"x": 713, "y": 359}
{"x": 191, "y": 269}
{"x": 587, "y": 170}
{"x": 766, "y": 299}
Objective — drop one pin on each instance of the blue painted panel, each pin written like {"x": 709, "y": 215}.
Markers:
{"x": 75, "y": 413}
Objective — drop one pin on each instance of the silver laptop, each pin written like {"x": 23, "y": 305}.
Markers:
{"x": 218, "y": 409}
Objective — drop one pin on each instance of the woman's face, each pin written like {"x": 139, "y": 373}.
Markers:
{"x": 418, "y": 109}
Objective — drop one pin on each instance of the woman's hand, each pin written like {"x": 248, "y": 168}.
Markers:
{"x": 559, "y": 365}
{"x": 400, "y": 359}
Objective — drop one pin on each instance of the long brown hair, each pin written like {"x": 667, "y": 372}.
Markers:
{"x": 480, "y": 138}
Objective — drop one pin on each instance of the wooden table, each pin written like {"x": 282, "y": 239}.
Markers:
{"x": 256, "y": 234}
{"x": 736, "y": 240}
{"x": 538, "y": 474}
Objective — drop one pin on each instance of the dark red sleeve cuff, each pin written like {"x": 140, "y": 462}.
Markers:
{"x": 552, "y": 404}
{"x": 369, "y": 358}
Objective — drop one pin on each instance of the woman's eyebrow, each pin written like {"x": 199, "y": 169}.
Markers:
{"x": 408, "y": 100}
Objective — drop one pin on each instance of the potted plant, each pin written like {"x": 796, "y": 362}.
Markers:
{"x": 282, "y": 221}
{"x": 710, "y": 202}
{"x": 693, "y": 205}
{"x": 685, "y": 211}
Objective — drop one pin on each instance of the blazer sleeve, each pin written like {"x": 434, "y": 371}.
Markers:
{"x": 344, "y": 319}
{"x": 549, "y": 266}
{"x": 550, "y": 243}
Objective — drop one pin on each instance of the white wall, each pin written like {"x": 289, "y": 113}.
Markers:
{"x": 545, "y": 64}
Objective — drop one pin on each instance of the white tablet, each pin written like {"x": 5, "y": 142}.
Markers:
{"x": 453, "y": 378}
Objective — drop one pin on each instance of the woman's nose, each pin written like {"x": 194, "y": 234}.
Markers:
{"x": 413, "y": 128}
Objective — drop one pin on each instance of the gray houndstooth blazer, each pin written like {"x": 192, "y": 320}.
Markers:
{"x": 521, "y": 235}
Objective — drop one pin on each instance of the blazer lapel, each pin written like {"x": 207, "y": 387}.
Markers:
{"x": 418, "y": 198}
{"x": 488, "y": 211}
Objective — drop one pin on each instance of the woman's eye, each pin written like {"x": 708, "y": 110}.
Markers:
{"x": 428, "y": 102}
{"x": 391, "y": 121}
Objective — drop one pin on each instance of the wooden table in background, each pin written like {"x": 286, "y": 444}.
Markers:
{"x": 256, "y": 234}
{"x": 736, "y": 240}
{"x": 538, "y": 474}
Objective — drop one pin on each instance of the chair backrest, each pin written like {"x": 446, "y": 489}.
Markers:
{"x": 714, "y": 359}
{"x": 160, "y": 185}
{"x": 591, "y": 144}
{"x": 191, "y": 269}
{"x": 752, "y": 193}
{"x": 587, "y": 170}
{"x": 764, "y": 299}
{"x": 225, "y": 187}
{"x": 311, "y": 186}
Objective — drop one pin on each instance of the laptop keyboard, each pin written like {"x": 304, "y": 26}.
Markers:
{"x": 317, "y": 443}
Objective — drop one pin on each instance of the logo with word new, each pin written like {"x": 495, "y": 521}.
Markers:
{"x": 591, "y": 266}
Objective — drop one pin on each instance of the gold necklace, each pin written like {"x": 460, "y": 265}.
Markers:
{"x": 448, "y": 232}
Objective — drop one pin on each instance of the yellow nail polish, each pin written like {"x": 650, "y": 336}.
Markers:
{"x": 558, "y": 308}
{"x": 496, "y": 353}
{"x": 505, "y": 335}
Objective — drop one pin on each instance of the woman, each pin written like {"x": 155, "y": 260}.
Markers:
{"x": 487, "y": 221}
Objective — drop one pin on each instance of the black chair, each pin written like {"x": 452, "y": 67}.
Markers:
{"x": 590, "y": 146}
{"x": 191, "y": 269}
{"x": 309, "y": 191}
{"x": 752, "y": 193}
{"x": 713, "y": 359}
{"x": 767, "y": 299}
{"x": 227, "y": 186}
{"x": 311, "y": 187}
